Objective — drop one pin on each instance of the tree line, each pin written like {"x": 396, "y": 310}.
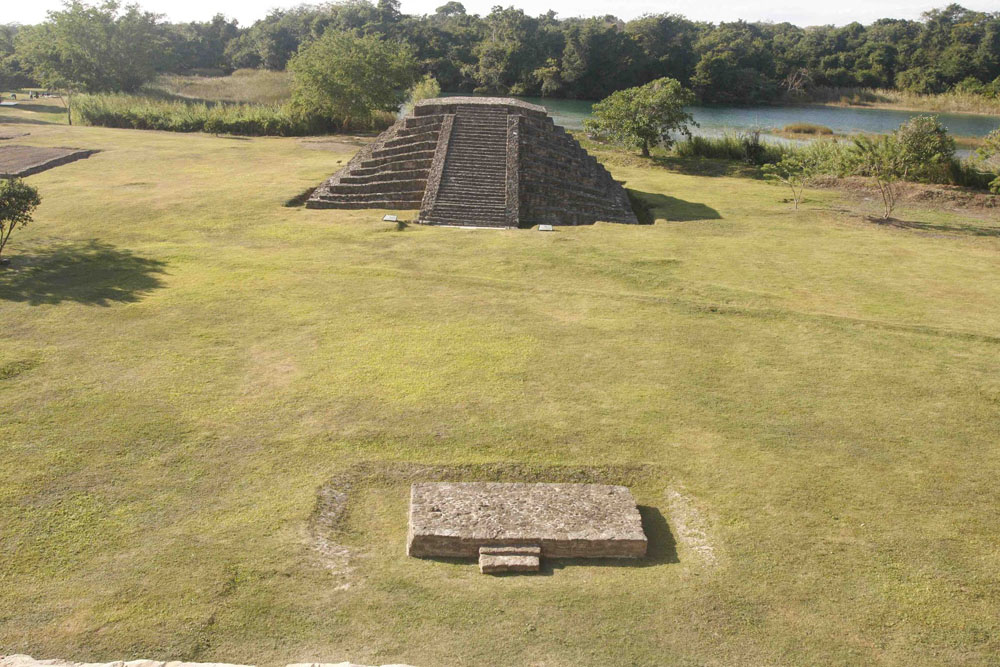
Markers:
{"x": 510, "y": 52}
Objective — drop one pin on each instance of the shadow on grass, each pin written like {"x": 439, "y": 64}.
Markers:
{"x": 92, "y": 273}
{"x": 41, "y": 108}
{"x": 23, "y": 120}
{"x": 705, "y": 166}
{"x": 959, "y": 229}
{"x": 652, "y": 206}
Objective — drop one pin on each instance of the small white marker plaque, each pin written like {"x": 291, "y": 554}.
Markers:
{"x": 545, "y": 228}
{"x": 389, "y": 218}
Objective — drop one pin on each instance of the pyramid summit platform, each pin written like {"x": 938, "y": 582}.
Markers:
{"x": 479, "y": 162}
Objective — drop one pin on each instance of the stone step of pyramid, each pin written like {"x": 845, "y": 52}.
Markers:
{"x": 361, "y": 197}
{"x": 407, "y": 140}
{"x": 393, "y": 167}
{"x": 391, "y": 204}
{"x": 378, "y": 177}
{"x": 378, "y": 186}
{"x": 404, "y": 151}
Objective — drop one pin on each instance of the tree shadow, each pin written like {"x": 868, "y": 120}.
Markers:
{"x": 706, "y": 166}
{"x": 40, "y": 108}
{"x": 957, "y": 229}
{"x": 22, "y": 120}
{"x": 92, "y": 273}
{"x": 652, "y": 206}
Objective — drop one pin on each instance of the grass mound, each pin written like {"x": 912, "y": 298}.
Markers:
{"x": 807, "y": 128}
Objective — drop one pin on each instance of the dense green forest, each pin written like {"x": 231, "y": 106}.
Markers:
{"x": 510, "y": 52}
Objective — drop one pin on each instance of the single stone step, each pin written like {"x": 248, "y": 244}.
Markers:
{"x": 496, "y": 560}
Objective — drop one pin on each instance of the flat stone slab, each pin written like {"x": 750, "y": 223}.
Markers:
{"x": 497, "y": 560}
{"x": 457, "y": 519}
{"x": 19, "y": 161}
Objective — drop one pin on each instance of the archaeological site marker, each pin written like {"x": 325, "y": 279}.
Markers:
{"x": 479, "y": 162}
{"x": 511, "y": 526}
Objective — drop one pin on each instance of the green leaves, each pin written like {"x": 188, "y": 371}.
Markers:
{"x": 18, "y": 201}
{"x": 644, "y": 116}
{"x": 346, "y": 75}
{"x": 93, "y": 48}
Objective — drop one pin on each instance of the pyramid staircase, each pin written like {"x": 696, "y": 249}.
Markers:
{"x": 473, "y": 187}
{"x": 390, "y": 173}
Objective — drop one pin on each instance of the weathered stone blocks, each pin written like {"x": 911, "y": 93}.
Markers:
{"x": 458, "y": 519}
{"x": 483, "y": 162}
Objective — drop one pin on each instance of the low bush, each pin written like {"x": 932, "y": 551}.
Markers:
{"x": 146, "y": 113}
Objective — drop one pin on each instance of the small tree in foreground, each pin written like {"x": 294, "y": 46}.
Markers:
{"x": 794, "y": 171}
{"x": 644, "y": 116}
{"x": 18, "y": 201}
{"x": 882, "y": 161}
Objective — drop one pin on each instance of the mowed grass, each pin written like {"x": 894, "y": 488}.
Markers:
{"x": 184, "y": 362}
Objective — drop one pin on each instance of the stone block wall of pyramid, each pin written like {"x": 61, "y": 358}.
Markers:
{"x": 482, "y": 162}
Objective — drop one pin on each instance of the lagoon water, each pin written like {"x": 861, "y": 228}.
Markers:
{"x": 842, "y": 120}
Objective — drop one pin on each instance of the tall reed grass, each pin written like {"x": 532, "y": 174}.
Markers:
{"x": 950, "y": 102}
{"x": 148, "y": 113}
{"x": 745, "y": 147}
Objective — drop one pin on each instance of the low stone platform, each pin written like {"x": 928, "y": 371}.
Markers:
{"x": 18, "y": 161}
{"x": 460, "y": 519}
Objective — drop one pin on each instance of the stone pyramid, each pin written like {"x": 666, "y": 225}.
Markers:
{"x": 480, "y": 162}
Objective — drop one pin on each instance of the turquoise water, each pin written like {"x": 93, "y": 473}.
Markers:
{"x": 842, "y": 120}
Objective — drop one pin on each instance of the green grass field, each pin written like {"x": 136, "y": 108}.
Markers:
{"x": 806, "y": 404}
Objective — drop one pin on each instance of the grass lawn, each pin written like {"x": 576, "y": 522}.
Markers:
{"x": 805, "y": 402}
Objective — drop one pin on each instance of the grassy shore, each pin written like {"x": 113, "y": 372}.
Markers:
{"x": 252, "y": 86}
{"x": 886, "y": 98}
{"x": 185, "y": 362}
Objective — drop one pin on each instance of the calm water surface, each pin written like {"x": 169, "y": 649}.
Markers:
{"x": 842, "y": 120}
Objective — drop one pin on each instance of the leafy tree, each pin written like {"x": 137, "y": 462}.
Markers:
{"x": 925, "y": 148}
{"x": 348, "y": 76}
{"x": 643, "y": 116}
{"x": 508, "y": 55}
{"x": 93, "y": 48}
{"x": 880, "y": 160}
{"x": 990, "y": 153}
{"x": 18, "y": 201}
{"x": 424, "y": 89}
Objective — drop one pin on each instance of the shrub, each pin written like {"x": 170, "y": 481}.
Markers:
{"x": 925, "y": 149}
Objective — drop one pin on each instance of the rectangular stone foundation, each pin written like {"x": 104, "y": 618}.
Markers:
{"x": 457, "y": 519}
